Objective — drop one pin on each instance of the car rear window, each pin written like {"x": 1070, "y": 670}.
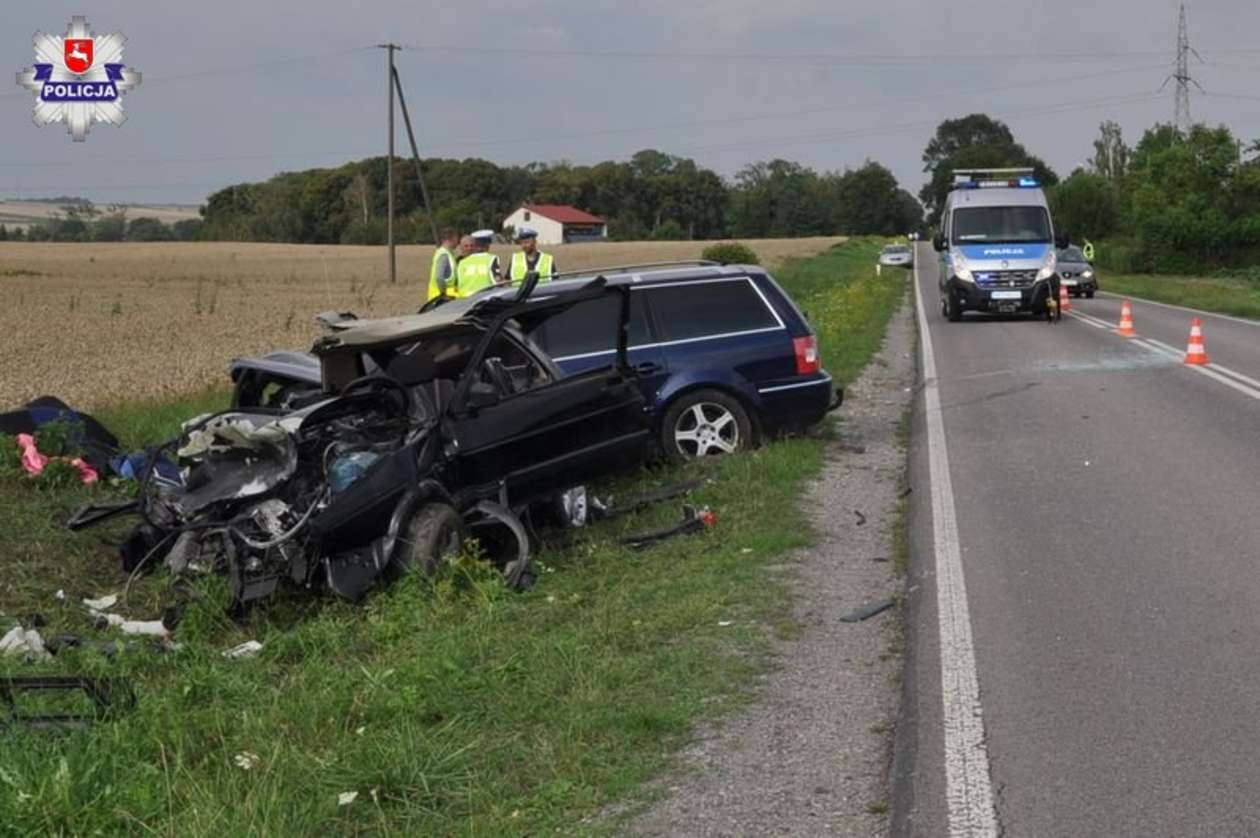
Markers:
{"x": 591, "y": 327}
{"x": 700, "y": 309}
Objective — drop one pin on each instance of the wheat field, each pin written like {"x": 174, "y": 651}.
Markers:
{"x": 102, "y": 324}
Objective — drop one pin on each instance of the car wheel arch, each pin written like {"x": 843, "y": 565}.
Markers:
{"x": 752, "y": 408}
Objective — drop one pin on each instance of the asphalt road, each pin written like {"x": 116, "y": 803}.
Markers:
{"x": 1108, "y": 530}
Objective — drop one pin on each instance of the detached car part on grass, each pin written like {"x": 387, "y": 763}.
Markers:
{"x": 425, "y": 429}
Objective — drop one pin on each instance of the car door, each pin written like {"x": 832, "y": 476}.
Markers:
{"x": 584, "y": 338}
{"x": 559, "y": 432}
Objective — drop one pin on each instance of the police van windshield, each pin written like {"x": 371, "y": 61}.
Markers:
{"x": 1001, "y": 224}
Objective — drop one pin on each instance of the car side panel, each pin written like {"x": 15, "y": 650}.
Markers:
{"x": 555, "y": 436}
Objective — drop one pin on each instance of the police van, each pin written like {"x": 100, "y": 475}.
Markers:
{"x": 996, "y": 244}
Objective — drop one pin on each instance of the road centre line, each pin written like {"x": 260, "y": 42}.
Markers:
{"x": 1225, "y": 375}
{"x": 1244, "y": 384}
{"x": 1089, "y": 321}
{"x": 968, "y": 787}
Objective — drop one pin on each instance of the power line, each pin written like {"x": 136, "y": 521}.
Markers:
{"x": 634, "y": 129}
{"x": 151, "y": 78}
{"x": 1042, "y": 110}
{"x": 1243, "y": 96}
{"x": 845, "y": 59}
{"x": 1063, "y": 107}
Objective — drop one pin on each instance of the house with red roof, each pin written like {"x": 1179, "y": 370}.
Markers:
{"x": 558, "y": 223}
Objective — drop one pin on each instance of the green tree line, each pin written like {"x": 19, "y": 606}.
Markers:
{"x": 81, "y": 221}
{"x": 651, "y": 196}
{"x": 1176, "y": 202}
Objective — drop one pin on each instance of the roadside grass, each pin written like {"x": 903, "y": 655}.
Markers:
{"x": 1239, "y": 297}
{"x": 449, "y": 705}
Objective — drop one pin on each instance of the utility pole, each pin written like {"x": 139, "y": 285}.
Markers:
{"x": 1182, "y": 77}
{"x": 390, "y": 49}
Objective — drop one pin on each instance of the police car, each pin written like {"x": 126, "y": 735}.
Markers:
{"x": 997, "y": 244}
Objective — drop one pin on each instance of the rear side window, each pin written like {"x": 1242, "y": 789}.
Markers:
{"x": 700, "y": 309}
{"x": 591, "y": 327}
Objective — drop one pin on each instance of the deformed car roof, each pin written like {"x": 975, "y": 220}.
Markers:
{"x": 366, "y": 333}
{"x": 353, "y": 335}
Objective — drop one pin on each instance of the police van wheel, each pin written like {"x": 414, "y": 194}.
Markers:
{"x": 953, "y": 308}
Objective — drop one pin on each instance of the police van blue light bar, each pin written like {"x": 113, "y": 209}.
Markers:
{"x": 1021, "y": 183}
{"x": 1009, "y": 178}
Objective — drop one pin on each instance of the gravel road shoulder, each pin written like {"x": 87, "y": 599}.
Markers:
{"x": 812, "y": 755}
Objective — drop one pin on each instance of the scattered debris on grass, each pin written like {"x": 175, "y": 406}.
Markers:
{"x": 108, "y": 697}
{"x": 694, "y": 520}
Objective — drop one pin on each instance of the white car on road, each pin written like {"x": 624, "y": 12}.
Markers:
{"x": 896, "y": 256}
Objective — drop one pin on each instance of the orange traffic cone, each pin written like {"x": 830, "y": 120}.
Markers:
{"x": 1195, "y": 353}
{"x": 1126, "y": 321}
{"x": 1065, "y": 301}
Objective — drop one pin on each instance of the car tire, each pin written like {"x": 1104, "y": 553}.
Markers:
{"x": 705, "y": 423}
{"x": 434, "y": 534}
{"x": 953, "y": 307}
{"x": 1089, "y": 295}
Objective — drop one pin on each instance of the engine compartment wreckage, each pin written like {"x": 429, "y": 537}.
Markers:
{"x": 426, "y": 429}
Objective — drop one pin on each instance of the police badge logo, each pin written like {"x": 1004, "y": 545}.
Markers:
{"x": 79, "y": 78}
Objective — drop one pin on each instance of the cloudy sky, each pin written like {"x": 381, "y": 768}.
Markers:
{"x": 237, "y": 90}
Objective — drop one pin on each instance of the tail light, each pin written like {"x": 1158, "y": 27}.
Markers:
{"x": 806, "y": 354}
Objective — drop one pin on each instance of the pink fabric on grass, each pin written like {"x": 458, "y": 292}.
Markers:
{"x": 34, "y": 462}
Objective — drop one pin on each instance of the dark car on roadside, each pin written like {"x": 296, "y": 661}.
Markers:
{"x": 722, "y": 355}
{"x": 1076, "y": 274}
{"x": 395, "y": 439}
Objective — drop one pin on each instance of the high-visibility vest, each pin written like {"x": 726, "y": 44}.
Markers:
{"x": 1088, "y": 251}
{"x": 476, "y": 271}
{"x": 452, "y": 288}
{"x": 545, "y": 266}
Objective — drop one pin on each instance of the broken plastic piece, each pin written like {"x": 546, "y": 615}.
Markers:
{"x": 867, "y": 611}
{"x": 248, "y": 649}
{"x": 608, "y": 509}
{"x": 149, "y": 628}
{"x": 110, "y": 697}
{"x": 24, "y": 642}
{"x": 95, "y": 513}
{"x": 516, "y": 563}
{"x": 102, "y": 604}
{"x": 694, "y": 520}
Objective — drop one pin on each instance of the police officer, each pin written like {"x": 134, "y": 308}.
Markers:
{"x": 480, "y": 269}
{"x": 442, "y": 269}
{"x": 1088, "y": 251}
{"x": 530, "y": 258}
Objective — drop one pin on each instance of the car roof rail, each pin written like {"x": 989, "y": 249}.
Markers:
{"x": 613, "y": 269}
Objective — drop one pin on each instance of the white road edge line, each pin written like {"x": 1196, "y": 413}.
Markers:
{"x": 968, "y": 788}
{"x": 1205, "y": 313}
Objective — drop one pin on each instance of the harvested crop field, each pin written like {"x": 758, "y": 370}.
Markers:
{"x": 100, "y": 324}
